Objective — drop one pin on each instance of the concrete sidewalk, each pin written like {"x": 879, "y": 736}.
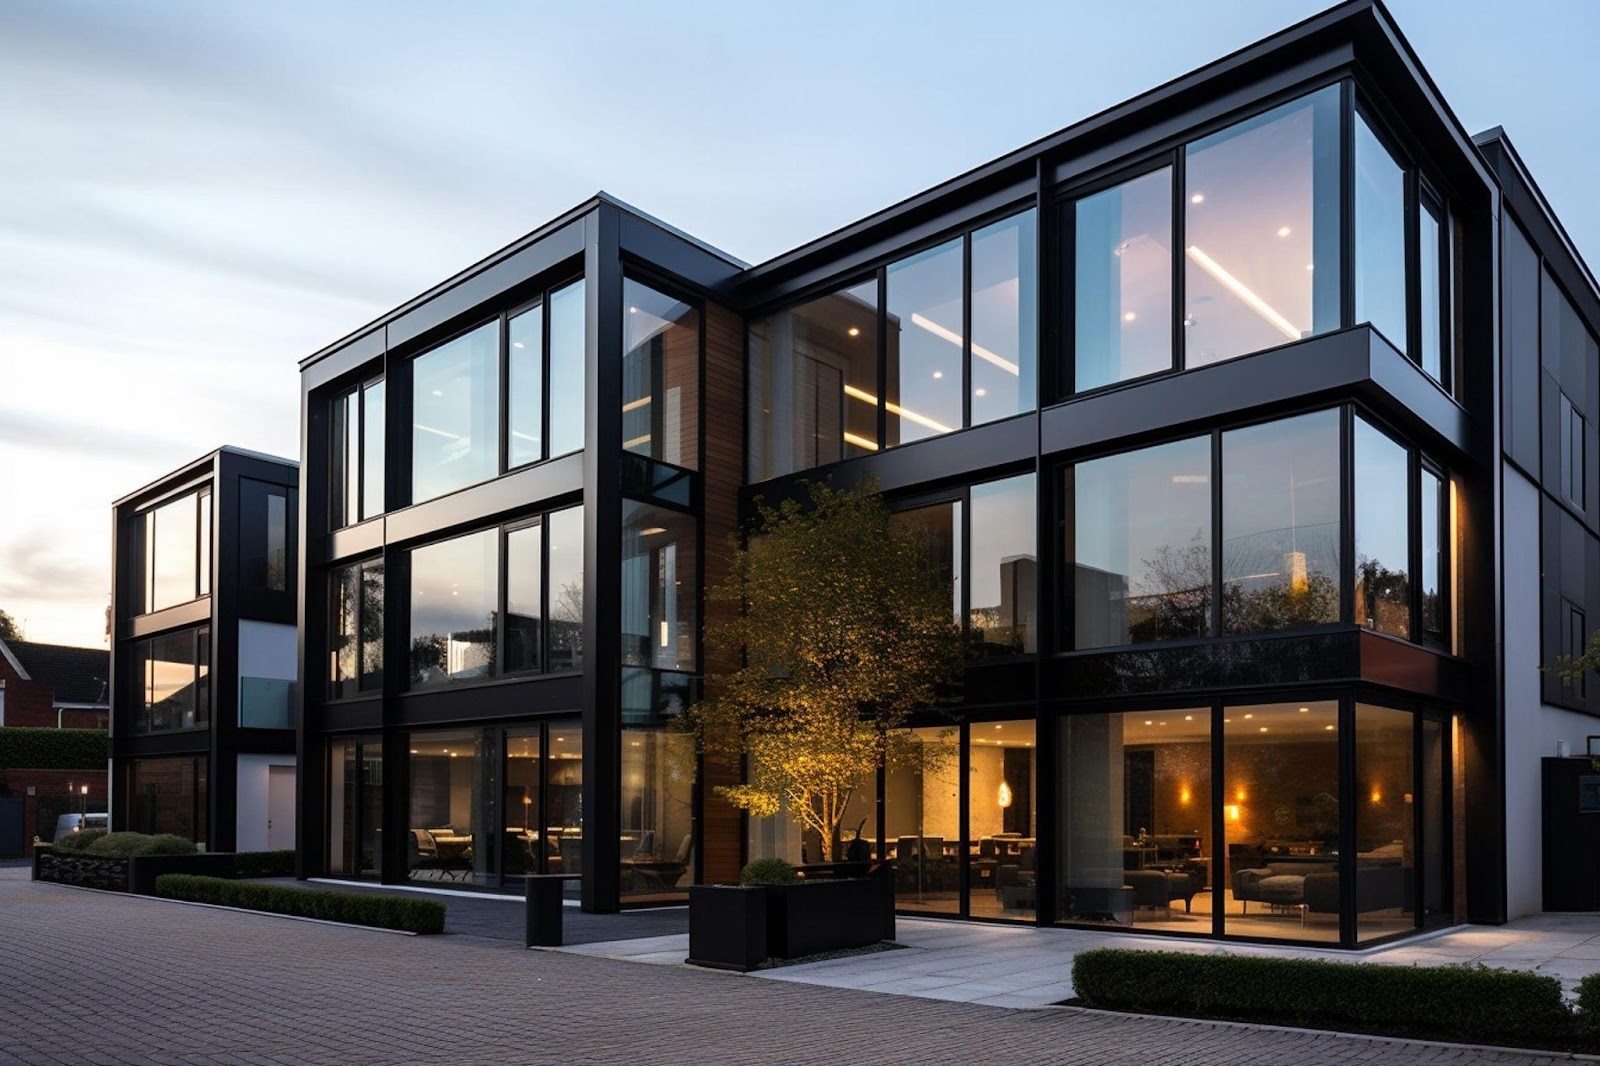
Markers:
{"x": 1024, "y": 966}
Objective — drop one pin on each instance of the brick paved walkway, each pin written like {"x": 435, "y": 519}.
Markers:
{"x": 97, "y": 978}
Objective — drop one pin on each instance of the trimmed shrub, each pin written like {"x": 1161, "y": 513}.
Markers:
{"x": 130, "y": 845}
{"x": 1477, "y": 1005}
{"x": 263, "y": 864}
{"x": 1589, "y": 1007}
{"x": 383, "y": 912}
{"x": 769, "y": 872}
{"x": 80, "y": 840}
{"x": 29, "y": 748}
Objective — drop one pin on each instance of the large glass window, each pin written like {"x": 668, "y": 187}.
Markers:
{"x": 660, "y": 376}
{"x": 1435, "y": 576}
{"x": 1122, "y": 300}
{"x": 355, "y": 660}
{"x": 168, "y": 795}
{"x": 1433, "y": 267}
{"x": 563, "y": 791}
{"x": 1262, "y": 233}
{"x": 452, "y": 807}
{"x": 455, "y": 408}
{"x": 660, "y": 583}
{"x": 1380, "y": 226}
{"x": 171, "y": 673}
{"x": 1005, "y": 318}
{"x": 356, "y": 452}
{"x": 355, "y": 806}
{"x": 1136, "y": 843}
{"x": 541, "y": 814}
{"x": 1385, "y": 814}
{"x": 1141, "y": 545}
{"x": 263, "y": 536}
{"x": 454, "y": 596}
{"x": 937, "y": 529}
{"x": 925, "y": 330}
{"x": 1002, "y": 820}
{"x": 525, "y": 387}
{"x": 525, "y": 598}
{"x": 658, "y": 784}
{"x": 1436, "y": 896}
{"x": 922, "y": 813}
{"x": 1383, "y": 532}
{"x": 1002, "y": 591}
{"x": 177, "y": 551}
{"x": 1281, "y": 820}
{"x": 567, "y": 342}
{"x": 814, "y": 383}
{"x": 564, "y": 569}
{"x": 1280, "y": 524}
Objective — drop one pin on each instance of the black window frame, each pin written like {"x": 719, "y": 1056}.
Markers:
{"x": 340, "y": 404}
{"x": 204, "y": 688}
{"x": 360, "y": 684}
{"x": 204, "y": 558}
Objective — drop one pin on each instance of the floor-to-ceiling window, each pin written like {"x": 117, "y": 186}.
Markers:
{"x": 452, "y": 806}
{"x": 1002, "y": 842}
{"x": 1122, "y": 297}
{"x": 355, "y": 806}
{"x": 168, "y": 795}
{"x": 922, "y": 817}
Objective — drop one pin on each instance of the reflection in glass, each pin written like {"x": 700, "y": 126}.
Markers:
{"x": 355, "y": 632}
{"x": 355, "y": 806}
{"x": 1280, "y": 524}
{"x": 922, "y": 815}
{"x": 455, "y": 413}
{"x": 203, "y": 543}
{"x": 1280, "y": 820}
{"x": 1005, "y": 315}
{"x": 172, "y": 544}
{"x": 1383, "y": 537}
{"x": 658, "y": 784}
{"x": 1141, "y": 541}
{"x": 451, "y": 807}
{"x": 1436, "y": 901}
{"x": 938, "y": 529}
{"x": 372, "y": 449}
{"x": 1002, "y": 820}
{"x": 171, "y": 672}
{"x": 345, "y": 449}
{"x": 277, "y": 559}
{"x": 564, "y": 563}
{"x": 525, "y": 387}
{"x": 563, "y": 790}
{"x": 567, "y": 403}
{"x": 1122, "y": 303}
{"x": 168, "y": 796}
{"x": 453, "y": 595}
{"x": 1261, "y": 226}
{"x": 1380, "y": 226}
{"x": 523, "y": 844}
{"x": 524, "y": 598}
{"x": 660, "y": 376}
{"x": 1385, "y": 810}
{"x": 660, "y": 579}
{"x": 1435, "y": 519}
{"x": 814, "y": 383}
{"x": 1431, "y": 265}
{"x": 925, "y": 340}
{"x": 1135, "y": 815}
{"x": 1001, "y": 619}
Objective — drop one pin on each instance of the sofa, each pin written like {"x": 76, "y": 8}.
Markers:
{"x": 1278, "y": 883}
{"x": 1379, "y": 887}
{"x": 1158, "y": 888}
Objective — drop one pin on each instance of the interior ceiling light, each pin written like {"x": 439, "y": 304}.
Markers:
{"x": 955, "y": 338}
{"x": 894, "y": 409}
{"x": 1129, "y": 317}
{"x": 446, "y": 434}
{"x": 861, "y": 442}
{"x": 1243, "y": 292}
{"x": 634, "y": 405}
{"x": 1284, "y": 231}
{"x": 980, "y": 392}
{"x": 652, "y": 531}
{"x": 1198, "y": 198}
{"x": 854, "y": 331}
{"x": 937, "y": 374}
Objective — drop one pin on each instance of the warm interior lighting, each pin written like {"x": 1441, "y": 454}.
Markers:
{"x": 1188, "y": 718}
{"x": 854, "y": 331}
{"x": 1305, "y": 710}
{"x": 955, "y": 338}
{"x": 1183, "y": 794}
{"x": 1377, "y": 795}
{"x": 861, "y": 442}
{"x": 1232, "y": 810}
{"x": 634, "y": 405}
{"x": 652, "y": 531}
{"x": 1243, "y": 292}
{"x": 895, "y": 409}
{"x": 636, "y": 441}
{"x": 664, "y": 634}
{"x": 1004, "y": 799}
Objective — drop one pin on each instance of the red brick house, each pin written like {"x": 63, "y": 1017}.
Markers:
{"x": 53, "y": 686}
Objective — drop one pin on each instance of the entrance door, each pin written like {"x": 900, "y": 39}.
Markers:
{"x": 280, "y": 808}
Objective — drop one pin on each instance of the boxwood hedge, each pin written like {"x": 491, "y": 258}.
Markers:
{"x": 1477, "y": 1005}
{"x": 383, "y": 912}
{"x": 29, "y": 748}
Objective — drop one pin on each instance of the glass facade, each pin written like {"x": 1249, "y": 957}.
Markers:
{"x": 171, "y": 674}
{"x": 658, "y": 787}
{"x": 356, "y": 465}
{"x": 660, "y": 376}
{"x": 1262, "y": 231}
{"x": 567, "y": 310}
{"x": 525, "y": 387}
{"x": 1004, "y": 295}
{"x": 1433, "y": 265}
{"x": 922, "y": 815}
{"x": 177, "y": 551}
{"x": 264, "y": 563}
{"x": 938, "y": 529}
{"x": 660, "y": 587}
{"x": 564, "y": 589}
{"x": 1002, "y": 608}
{"x": 1001, "y": 845}
{"x": 1385, "y": 808}
{"x": 355, "y": 631}
{"x": 1383, "y": 532}
{"x": 1380, "y": 225}
{"x": 168, "y": 795}
{"x": 1141, "y": 544}
{"x": 923, "y": 355}
{"x": 355, "y": 806}
{"x": 452, "y": 807}
{"x": 455, "y": 414}
{"x": 525, "y": 598}
{"x": 454, "y": 600}
{"x": 1280, "y": 524}
{"x": 1434, "y": 579}
{"x": 1122, "y": 276}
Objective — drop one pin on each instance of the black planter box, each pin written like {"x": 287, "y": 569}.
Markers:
{"x": 733, "y": 927}
{"x": 137, "y": 875}
{"x": 143, "y": 870}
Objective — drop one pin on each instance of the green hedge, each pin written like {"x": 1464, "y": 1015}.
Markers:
{"x": 79, "y": 841}
{"x": 1477, "y": 1005}
{"x": 263, "y": 864}
{"x": 129, "y": 845}
{"x": 25, "y": 748}
{"x": 384, "y": 912}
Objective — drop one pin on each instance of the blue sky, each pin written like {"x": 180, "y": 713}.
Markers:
{"x": 193, "y": 196}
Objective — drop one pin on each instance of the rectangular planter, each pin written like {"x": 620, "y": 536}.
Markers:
{"x": 728, "y": 926}
{"x": 143, "y": 870}
{"x": 734, "y": 927}
{"x": 135, "y": 875}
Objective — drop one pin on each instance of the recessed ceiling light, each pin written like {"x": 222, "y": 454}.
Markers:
{"x": 1263, "y": 729}
{"x": 980, "y": 392}
{"x": 1328, "y": 727}
{"x": 937, "y": 374}
{"x": 1248, "y": 717}
{"x": 854, "y": 331}
{"x": 438, "y": 392}
{"x": 1198, "y": 198}
{"x": 516, "y": 344}
{"x": 1188, "y": 718}
{"x": 1129, "y": 317}
{"x": 1304, "y": 710}
{"x": 1284, "y": 231}
{"x": 1148, "y": 722}
{"x": 652, "y": 531}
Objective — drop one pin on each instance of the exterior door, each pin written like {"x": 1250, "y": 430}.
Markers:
{"x": 280, "y": 808}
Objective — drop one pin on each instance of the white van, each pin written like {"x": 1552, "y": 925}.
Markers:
{"x": 68, "y": 824}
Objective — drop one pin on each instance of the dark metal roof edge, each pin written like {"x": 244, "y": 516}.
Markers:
{"x": 1497, "y": 135}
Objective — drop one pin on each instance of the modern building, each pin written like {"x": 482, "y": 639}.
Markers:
{"x": 1253, "y": 420}
{"x": 54, "y": 686}
{"x": 203, "y": 653}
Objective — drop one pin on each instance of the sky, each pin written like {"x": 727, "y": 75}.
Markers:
{"x": 195, "y": 196}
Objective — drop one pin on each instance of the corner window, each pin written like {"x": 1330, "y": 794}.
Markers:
{"x": 1433, "y": 286}
{"x": 171, "y": 675}
{"x": 1262, "y": 231}
{"x": 355, "y": 660}
{"x": 356, "y": 455}
{"x": 660, "y": 376}
{"x": 568, "y": 333}
{"x": 1122, "y": 298}
{"x": 1435, "y": 577}
{"x": 545, "y": 355}
{"x": 1380, "y": 237}
{"x": 1383, "y": 532}
{"x": 177, "y": 551}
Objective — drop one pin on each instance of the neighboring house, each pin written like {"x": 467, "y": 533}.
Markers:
{"x": 203, "y": 623}
{"x": 1253, "y": 420}
{"x": 53, "y": 686}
